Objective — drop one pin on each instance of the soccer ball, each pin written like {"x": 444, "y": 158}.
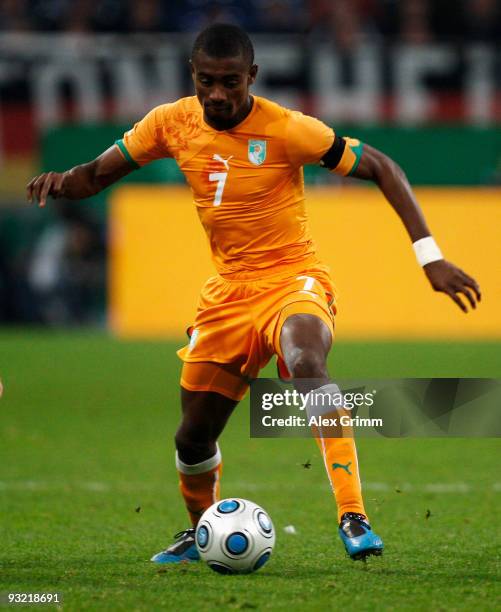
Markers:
{"x": 235, "y": 536}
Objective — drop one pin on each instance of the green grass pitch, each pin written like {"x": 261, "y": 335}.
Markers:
{"x": 88, "y": 489}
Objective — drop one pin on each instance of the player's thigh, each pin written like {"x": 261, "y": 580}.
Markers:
{"x": 209, "y": 393}
{"x": 205, "y": 414}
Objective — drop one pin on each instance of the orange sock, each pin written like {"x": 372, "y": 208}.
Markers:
{"x": 199, "y": 484}
{"x": 340, "y": 459}
{"x": 337, "y": 445}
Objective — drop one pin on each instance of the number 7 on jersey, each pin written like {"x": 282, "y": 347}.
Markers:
{"x": 220, "y": 177}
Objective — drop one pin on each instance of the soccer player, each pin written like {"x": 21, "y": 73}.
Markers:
{"x": 243, "y": 156}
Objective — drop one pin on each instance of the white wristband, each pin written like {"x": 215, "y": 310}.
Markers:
{"x": 426, "y": 250}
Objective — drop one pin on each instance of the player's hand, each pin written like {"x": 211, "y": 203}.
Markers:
{"x": 46, "y": 184}
{"x": 448, "y": 278}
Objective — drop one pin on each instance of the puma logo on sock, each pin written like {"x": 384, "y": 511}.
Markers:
{"x": 341, "y": 465}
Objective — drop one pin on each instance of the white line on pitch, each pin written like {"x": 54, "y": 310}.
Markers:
{"x": 122, "y": 486}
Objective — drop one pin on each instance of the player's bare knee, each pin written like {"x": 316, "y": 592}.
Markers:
{"x": 191, "y": 448}
{"x": 307, "y": 363}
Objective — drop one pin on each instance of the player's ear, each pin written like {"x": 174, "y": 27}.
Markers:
{"x": 252, "y": 74}
{"x": 192, "y": 69}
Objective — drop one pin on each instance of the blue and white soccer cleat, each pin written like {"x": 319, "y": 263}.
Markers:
{"x": 184, "y": 549}
{"x": 358, "y": 538}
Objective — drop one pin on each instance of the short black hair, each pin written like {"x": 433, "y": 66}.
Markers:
{"x": 224, "y": 40}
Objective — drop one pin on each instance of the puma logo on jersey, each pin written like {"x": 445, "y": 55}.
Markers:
{"x": 217, "y": 157}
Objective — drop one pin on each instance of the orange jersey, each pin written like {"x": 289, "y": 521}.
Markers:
{"x": 247, "y": 182}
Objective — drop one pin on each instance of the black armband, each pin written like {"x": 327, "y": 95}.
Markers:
{"x": 333, "y": 156}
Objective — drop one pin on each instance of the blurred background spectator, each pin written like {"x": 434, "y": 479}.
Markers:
{"x": 52, "y": 274}
{"x": 483, "y": 21}
{"x": 15, "y": 16}
{"x": 66, "y": 272}
{"x": 416, "y": 21}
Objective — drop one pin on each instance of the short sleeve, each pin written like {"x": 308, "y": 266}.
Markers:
{"x": 308, "y": 139}
{"x": 146, "y": 142}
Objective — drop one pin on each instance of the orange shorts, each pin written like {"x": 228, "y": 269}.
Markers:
{"x": 238, "y": 323}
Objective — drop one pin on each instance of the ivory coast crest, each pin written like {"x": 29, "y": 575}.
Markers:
{"x": 256, "y": 151}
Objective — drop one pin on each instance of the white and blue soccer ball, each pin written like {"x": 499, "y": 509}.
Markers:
{"x": 235, "y": 536}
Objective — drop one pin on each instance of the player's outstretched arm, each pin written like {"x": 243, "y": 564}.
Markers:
{"x": 81, "y": 181}
{"x": 443, "y": 275}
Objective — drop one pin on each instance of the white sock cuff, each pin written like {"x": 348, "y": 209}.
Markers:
{"x": 321, "y": 406}
{"x": 199, "y": 468}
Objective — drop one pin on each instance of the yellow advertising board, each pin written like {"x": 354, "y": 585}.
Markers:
{"x": 160, "y": 258}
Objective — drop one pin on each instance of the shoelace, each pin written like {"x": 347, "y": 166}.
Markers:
{"x": 350, "y": 516}
{"x": 354, "y": 515}
{"x": 179, "y": 536}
